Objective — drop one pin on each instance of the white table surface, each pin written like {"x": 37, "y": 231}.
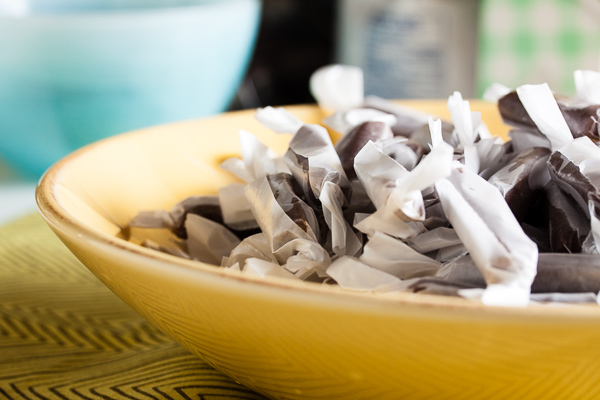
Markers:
{"x": 16, "y": 200}
{"x": 17, "y": 195}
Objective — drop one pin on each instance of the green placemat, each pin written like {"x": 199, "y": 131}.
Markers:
{"x": 536, "y": 41}
{"x": 63, "y": 335}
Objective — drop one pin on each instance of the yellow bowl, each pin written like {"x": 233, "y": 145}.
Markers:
{"x": 296, "y": 340}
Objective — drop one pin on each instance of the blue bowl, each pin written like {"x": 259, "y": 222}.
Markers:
{"x": 78, "y": 71}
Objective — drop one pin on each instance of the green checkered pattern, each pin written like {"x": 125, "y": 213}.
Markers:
{"x": 536, "y": 41}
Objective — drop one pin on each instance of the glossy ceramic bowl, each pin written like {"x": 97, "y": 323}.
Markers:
{"x": 76, "y": 71}
{"x": 296, "y": 340}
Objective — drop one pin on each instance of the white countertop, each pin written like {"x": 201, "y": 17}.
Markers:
{"x": 16, "y": 200}
{"x": 17, "y": 196}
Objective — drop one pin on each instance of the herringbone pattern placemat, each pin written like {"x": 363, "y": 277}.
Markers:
{"x": 63, "y": 335}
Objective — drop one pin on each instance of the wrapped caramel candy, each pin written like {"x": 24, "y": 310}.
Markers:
{"x": 407, "y": 202}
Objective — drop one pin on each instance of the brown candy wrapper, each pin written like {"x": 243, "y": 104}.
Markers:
{"x": 506, "y": 257}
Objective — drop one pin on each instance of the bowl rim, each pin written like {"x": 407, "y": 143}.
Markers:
{"x": 60, "y": 219}
{"x": 134, "y": 13}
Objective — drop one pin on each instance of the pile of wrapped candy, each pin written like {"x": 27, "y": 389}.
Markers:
{"x": 403, "y": 202}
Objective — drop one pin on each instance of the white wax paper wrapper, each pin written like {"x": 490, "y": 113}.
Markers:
{"x": 337, "y": 87}
{"x": 484, "y": 132}
{"x": 278, "y": 119}
{"x": 352, "y": 274}
{"x": 462, "y": 117}
{"x": 504, "y": 254}
{"x": 555, "y": 298}
{"x": 327, "y": 178}
{"x": 303, "y": 257}
{"x": 483, "y": 155}
{"x": 397, "y": 148}
{"x": 278, "y": 227}
{"x": 257, "y": 160}
{"x": 497, "y": 295}
{"x": 174, "y": 217}
{"x": 395, "y": 191}
{"x": 460, "y": 269}
{"x": 595, "y": 223}
{"x": 405, "y": 115}
{"x": 255, "y": 246}
{"x": 585, "y": 154}
{"x": 491, "y": 156}
{"x": 495, "y": 92}
{"x": 146, "y": 224}
{"x": 587, "y": 86}
{"x": 179, "y": 211}
{"x": 435, "y": 129}
{"x": 371, "y": 223}
{"x": 542, "y": 108}
{"x": 235, "y": 207}
{"x": 508, "y": 181}
{"x": 208, "y": 241}
{"x": 522, "y": 139}
{"x": 589, "y": 244}
{"x": 383, "y": 177}
{"x": 153, "y": 229}
{"x": 234, "y": 267}
{"x": 451, "y": 252}
{"x": 168, "y": 247}
{"x": 152, "y": 219}
{"x": 391, "y": 255}
{"x": 262, "y": 268}
{"x": 471, "y": 158}
{"x": 435, "y": 239}
{"x": 344, "y": 121}
{"x": 466, "y": 129}
{"x": 344, "y": 240}
{"x": 324, "y": 165}
{"x": 378, "y": 174}
{"x": 552, "y": 299}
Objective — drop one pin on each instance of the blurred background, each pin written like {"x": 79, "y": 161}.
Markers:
{"x": 72, "y": 71}
{"x": 512, "y": 42}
